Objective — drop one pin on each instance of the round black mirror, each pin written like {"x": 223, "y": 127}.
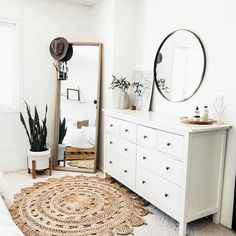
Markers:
{"x": 180, "y": 65}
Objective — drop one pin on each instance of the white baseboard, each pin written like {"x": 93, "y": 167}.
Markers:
{"x": 14, "y": 170}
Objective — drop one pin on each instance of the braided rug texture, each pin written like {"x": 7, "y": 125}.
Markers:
{"x": 74, "y": 206}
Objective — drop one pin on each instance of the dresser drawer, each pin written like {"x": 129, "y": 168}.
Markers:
{"x": 158, "y": 190}
{"x": 160, "y": 164}
{"x": 146, "y": 136}
{"x": 112, "y": 142}
{"x": 112, "y": 163}
{"x": 112, "y": 125}
{"x": 128, "y": 130}
{"x": 127, "y": 150}
{"x": 122, "y": 170}
{"x": 127, "y": 174}
{"x": 171, "y": 144}
{"x": 122, "y": 147}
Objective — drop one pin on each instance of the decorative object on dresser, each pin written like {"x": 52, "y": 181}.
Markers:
{"x": 141, "y": 90}
{"x": 160, "y": 159}
{"x": 38, "y": 155}
{"x": 180, "y": 65}
{"x": 192, "y": 121}
{"x": 78, "y": 206}
{"x": 219, "y": 107}
{"x": 120, "y": 97}
{"x": 199, "y": 118}
{"x": 205, "y": 114}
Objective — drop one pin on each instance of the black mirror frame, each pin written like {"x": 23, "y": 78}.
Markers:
{"x": 156, "y": 61}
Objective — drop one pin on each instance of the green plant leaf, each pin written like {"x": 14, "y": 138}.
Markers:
{"x": 62, "y": 130}
{"x": 38, "y": 133}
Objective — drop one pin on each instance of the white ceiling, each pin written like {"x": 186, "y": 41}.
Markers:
{"x": 88, "y": 3}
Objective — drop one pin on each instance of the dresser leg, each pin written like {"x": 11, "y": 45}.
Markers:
{"x": 105, "y": 175}
{"x": 216, "y": 218}
{"x": 182, "y": 228}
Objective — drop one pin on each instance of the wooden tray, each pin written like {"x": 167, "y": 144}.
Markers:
{"x": 187, "y": 120}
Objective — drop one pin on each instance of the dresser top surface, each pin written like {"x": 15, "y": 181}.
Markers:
{"x": 160, "y": 120}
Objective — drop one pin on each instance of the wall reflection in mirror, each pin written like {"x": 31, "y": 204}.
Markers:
{"x": 180, "y": 65}
{"x": 79, "y": 110}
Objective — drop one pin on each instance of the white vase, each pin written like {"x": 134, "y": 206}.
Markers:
{"x": 116, "y": 93}
{"x": 41, "y": 159}
{"x": 60, "y": 152}
{"x": 124, "y": 100}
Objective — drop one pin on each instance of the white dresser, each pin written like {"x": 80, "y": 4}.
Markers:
{"x": 175, "y": 166}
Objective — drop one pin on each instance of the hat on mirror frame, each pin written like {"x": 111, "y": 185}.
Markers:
{"x": 60, "y": 49}
{"x": 68, "y": 54}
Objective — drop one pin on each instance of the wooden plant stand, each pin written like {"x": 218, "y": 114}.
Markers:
{"x": 34, "y": 164}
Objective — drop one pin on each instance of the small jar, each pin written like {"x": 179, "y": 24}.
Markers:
{"x": 205, "y": 114}
{"x": 196, "y": 114}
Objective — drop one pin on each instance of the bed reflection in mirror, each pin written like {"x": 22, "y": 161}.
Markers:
{"x": 79, "y": 110}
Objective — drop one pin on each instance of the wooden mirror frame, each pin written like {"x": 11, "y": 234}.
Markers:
{"x": 57, "y": 112}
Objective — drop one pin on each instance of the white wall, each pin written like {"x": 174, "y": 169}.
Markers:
{"x": 124, "y": 38}
{"x": 41, "y": 21}
{"x": 215, "y": 23}
{"x": 115, "y": 22}
{"x": 103, "y": 22}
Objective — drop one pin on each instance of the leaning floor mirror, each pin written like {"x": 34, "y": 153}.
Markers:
{"x": 78, "y": 109}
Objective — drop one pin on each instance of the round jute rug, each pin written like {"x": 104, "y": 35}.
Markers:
{"x": 74, "y": 206}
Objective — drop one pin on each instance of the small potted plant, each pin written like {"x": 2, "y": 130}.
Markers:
{"x": 120, "y": 95}
{"x": 61, "y": 145}
{"x": 39, "y": 153}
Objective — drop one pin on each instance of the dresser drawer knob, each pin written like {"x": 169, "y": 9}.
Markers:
{"x": 167, "y": 167}
{"x": 126, "y": 171}
{"x": 168, "y": 144}
{"x": 111, "y": 125}
{"x": 126, "y": 149}
{"x": 144, "y": 158}
{"x": 126, "y": 130}
{"x": 145, "y": 136}
{"x": 110, "y": 162}
{"x": 143, "y": 182}
{"x": 111, "y": 142}
{"x": 166, "y": 194}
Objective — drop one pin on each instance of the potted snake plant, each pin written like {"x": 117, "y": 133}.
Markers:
{"x": 37, "y": 136}
{"x": 61, "y": 145}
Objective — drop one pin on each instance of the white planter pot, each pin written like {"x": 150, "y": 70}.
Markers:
{"x": 41, "y": 159}
{"x": 116, "y": 98}
{"x": 124, "y": 100}
{"x": 60, "y": 152}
